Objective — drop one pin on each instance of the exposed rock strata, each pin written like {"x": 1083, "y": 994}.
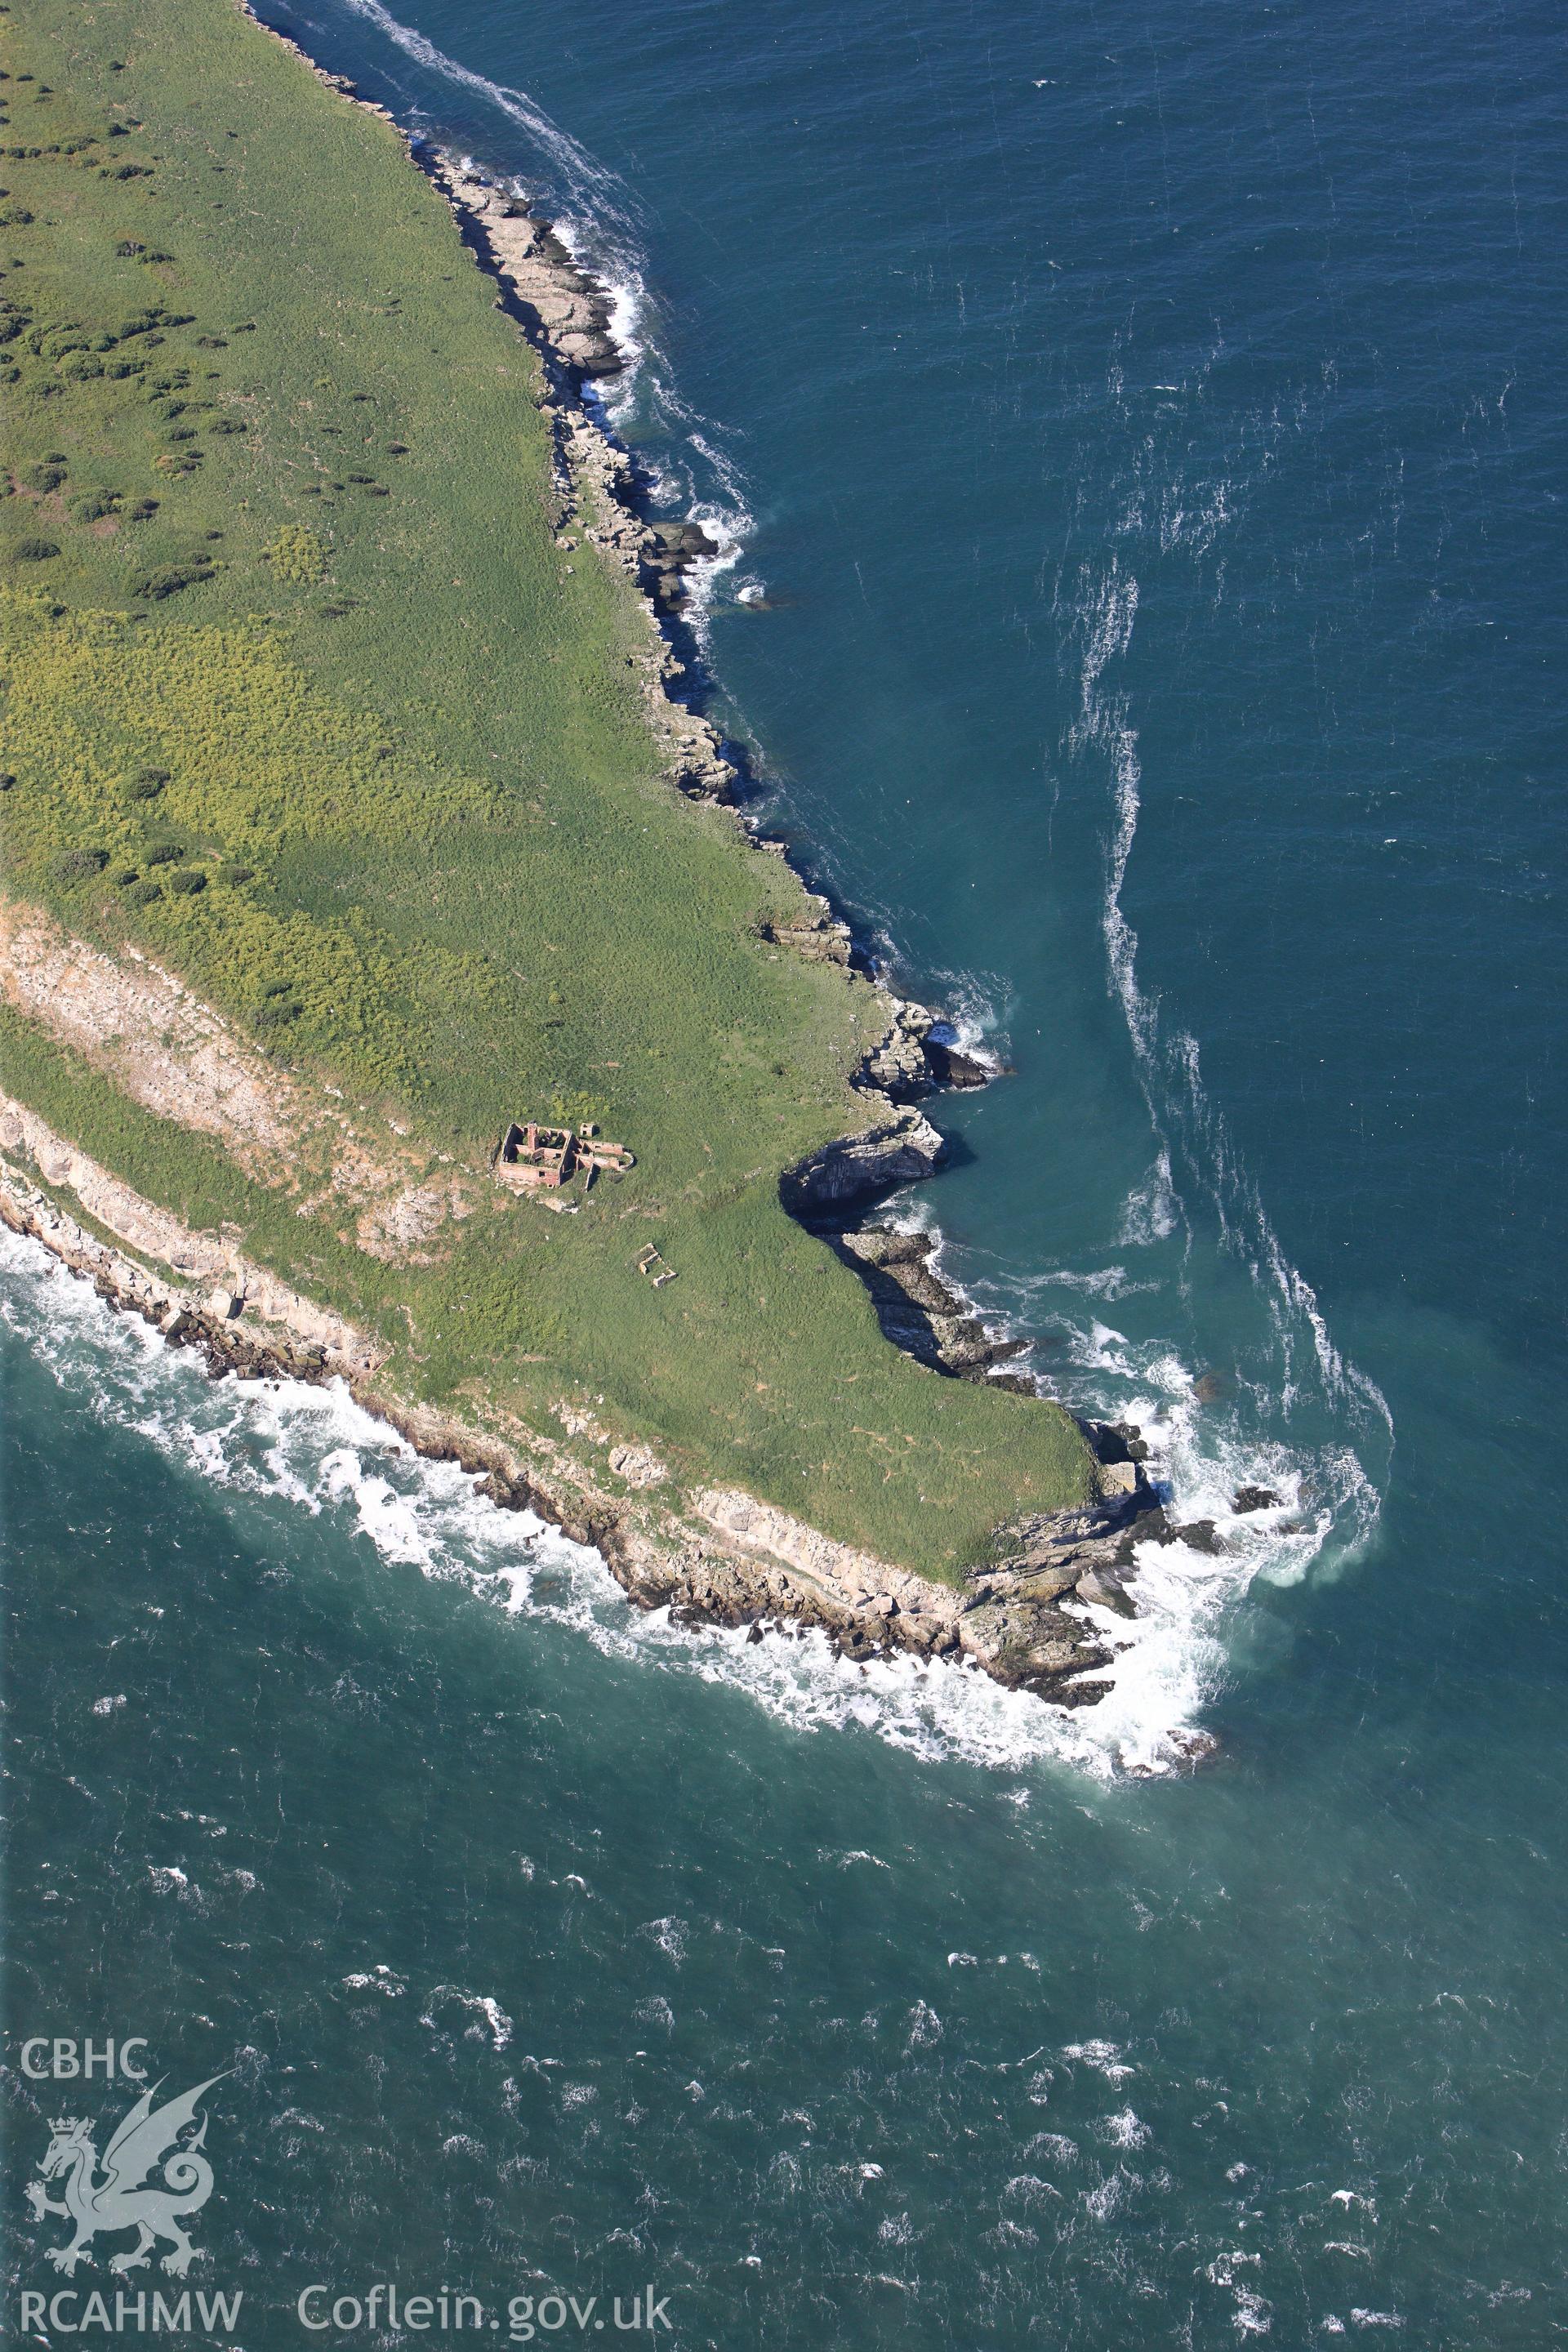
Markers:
{"x": 158, "y": 1044}
{"x": 207, "y": 1268}
{"x": 900, "y": 1147}
{"x": 712, "y": 1554}
{"x": 919, "y": 1311}
{"x": 1022, "y": 1616}
{"x": 920, "y": 1053}
{"x": 816, "y": 935}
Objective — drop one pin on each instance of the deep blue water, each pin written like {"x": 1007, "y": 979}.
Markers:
{"x": 1144, "y": 425}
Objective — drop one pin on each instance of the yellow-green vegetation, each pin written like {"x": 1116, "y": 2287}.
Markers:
{"x": 302, "y": 698}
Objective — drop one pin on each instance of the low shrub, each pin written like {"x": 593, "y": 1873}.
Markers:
{"x": 297, "y": 554}
{"x": 46, "y": 476}
{"x": 34, "y": 550}
{"x": 167, "y": 853}
{"x": 234, "y": 874}
{"x": 187, "y": 882}
{"x": 148, "y": 782}
{"x": 275, "y": 1015}
{"x": 145, "y": 893}
{"x": 169, "y": 579}
{"x": 75, "y": 864}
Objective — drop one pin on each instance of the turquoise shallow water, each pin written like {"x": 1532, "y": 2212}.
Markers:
{"x": 1145, "y": 431}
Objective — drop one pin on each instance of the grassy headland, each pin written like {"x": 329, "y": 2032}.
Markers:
{"x": 302, "y": 701}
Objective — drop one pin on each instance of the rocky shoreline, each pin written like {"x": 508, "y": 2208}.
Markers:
{"x": 567, "y": 316}
{"x": 1039, "y": 1613}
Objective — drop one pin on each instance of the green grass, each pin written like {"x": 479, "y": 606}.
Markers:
{"x": 401, "y": 750}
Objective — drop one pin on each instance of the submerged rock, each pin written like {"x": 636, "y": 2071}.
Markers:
{"x": 1199, "y": 1534}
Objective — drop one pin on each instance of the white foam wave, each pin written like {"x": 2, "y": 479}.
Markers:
{"x": 581, "y": 171}
{"x": 1168, "y": 1067}
{"x": 1170, "y": 1662}
{"x": 975, "y": 1008}
{"x": 1203, "y": 1453}
{"x": 598, "y": 220}
{"x": 711, "y": 492}
{"x": 1152, "y": 1211}
{"x": 316, "y": 1451}
{"x": 1299, "y": 1417}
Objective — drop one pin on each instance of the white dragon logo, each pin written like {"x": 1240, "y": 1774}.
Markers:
{"x": 148, "y": 2140}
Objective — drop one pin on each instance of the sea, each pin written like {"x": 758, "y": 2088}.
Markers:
{"x": 1133, "y": 434}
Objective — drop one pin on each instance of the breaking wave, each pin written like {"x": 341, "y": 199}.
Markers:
{"x": 690, "y": 458}
{"x": 1200, "y": 1332}
{"x": 281, "y": 1445}
{"x": 1184, "y": 1117}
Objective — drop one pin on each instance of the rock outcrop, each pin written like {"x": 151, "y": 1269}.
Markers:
{"x": 816, "y": 934}
{"x": 569, "y": 312}
{"x": 668, "y": 552}
{"x": 845, "y": 1176}
{"x": 920, "y": 1054}
{"x": 918, "y": 1311}
{"x": 1023, "y": 1617}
